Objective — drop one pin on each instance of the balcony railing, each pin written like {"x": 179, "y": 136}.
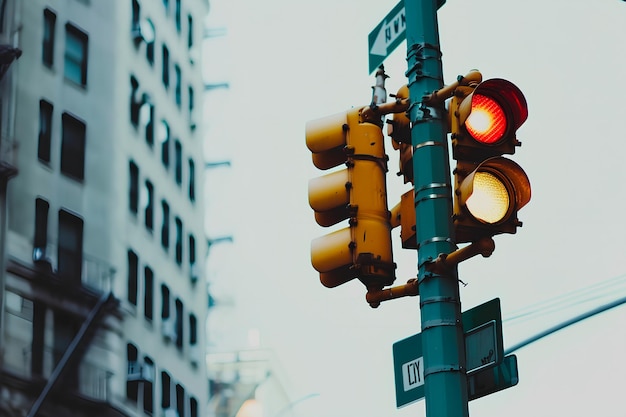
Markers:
{"x": 96, "y": 274}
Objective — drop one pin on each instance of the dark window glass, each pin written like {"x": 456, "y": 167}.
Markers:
{"x": 73, "y": 147}
{"x": 165, "y": 301}
{"x": 178, "y": 86}
{"x": 193, "y": 329}
{"x": 70, "y": 247}
{"x": 192, "y": 250}
{"x": 75, "y": 55}
{"x": 164, "y": 138}
{"x": 178, "y": 162}
{"x": 133, "y": 270}
{"x": 135, "y": 101}
{"x": 45, "y": 130}
{"x": 149, "y": 37}
{"x": 135, "y": 14}
{"x": 148, "y": 293}
{"x": 132, "y": 385}
{"x": 179, "y": 323}
{"x": 166, "y": 389}
{"x": 150, "y": 125}
{"x": 179, "y": 241}
{"x": 41, "y": 229}
{"x": 65, "y": 327}
{"x": 149, "y": 208}
{"x": 148, "y": 386}
{"x": 37, "y": 347}
{"x": 165, "y": 226}
{"x": 49, "y": 20}
{"x": 166, "y": 67}
{"x": 192, "y": 180}
{"x": 180, "y": 400}
{"x": 193, "y": 407}
{"x": 133, "y": 188}
{"x": 189, "y": 31}
{"x": 191, "y": 102}
{"x": 177, "y": 16}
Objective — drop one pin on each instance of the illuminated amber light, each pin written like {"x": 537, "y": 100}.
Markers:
{"x": 489, "y": 201}
{"x": 487, "y": 121}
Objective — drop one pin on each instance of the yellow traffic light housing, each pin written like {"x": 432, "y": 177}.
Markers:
{"x": 358, "y": 193}
{"x": 485, "y": 118}
{"x": 399, "y": 129}
{"x": 489, "y": 189}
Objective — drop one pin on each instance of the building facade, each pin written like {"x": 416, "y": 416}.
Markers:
{"x": 102, "y": 235}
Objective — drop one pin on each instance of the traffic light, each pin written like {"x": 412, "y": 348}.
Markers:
{"x": 489, "y": 189}
{"x": 358, "y": 193}
{"x": 399, "y": 129}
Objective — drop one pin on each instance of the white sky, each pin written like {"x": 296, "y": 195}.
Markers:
{"x": 289, "y": 61}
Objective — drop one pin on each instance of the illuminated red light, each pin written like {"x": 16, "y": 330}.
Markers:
{"x": 487, "y": 121}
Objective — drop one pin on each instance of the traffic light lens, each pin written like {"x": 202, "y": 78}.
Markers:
{"x": 489, "y": 201}
{"x": 487, "y": 120}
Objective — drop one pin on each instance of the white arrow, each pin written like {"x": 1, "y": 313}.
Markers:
{"x": 390, "y": 30}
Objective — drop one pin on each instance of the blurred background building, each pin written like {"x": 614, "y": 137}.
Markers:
{"x": 102, "y": 236}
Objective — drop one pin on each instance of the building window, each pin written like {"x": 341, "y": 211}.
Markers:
{"x": 192, "y": 250}
{"x": 165, "y": 226}
{"x": 166, "y": 67}
{"x": 178, "y": 162}
{"x": 47, "y": 52}
{"x": 149, "y": 205}
{"x": 70, "y": 247}
{"x": 193, "y": 407}
{"x": 133, "y": 188}
{"x": 136, "y": 14}
{"x": 135, "y": 101}
{"x": 189, "y": 31}
{"x": 180, "y": 400}
{"x": 178, "y": 86}
{"x": 149, "y": 124}
{"x": 133, "y": 374}
{"x": 45, "y": 130}
{"x": 177, "y": 15}
{"x": 148, "y": 385}
{"x": 40, "y": 240}
{"x": 73, "y": 147}
{"x": 165, "y": 302}
{"x": 65, "y": 327}
{"x": 193, "y": 330}
{"x": 179, "y": 241}
{"x": 164, "y": 138}
{"x": 166, "y": 390}
{"x": 133, "y": 269}
{"x": 192, "y": 181}
{"x": 149, "y": 35}
{"x": 192, "y": 122}
{"x": 75, "y": 55}
{"x": 148, "y": 293}
{"x": 179, "y": 323}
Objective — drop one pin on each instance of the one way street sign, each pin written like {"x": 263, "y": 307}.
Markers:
{"x": 387, "y": 35}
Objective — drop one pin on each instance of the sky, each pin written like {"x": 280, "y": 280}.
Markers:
{"x": 290, "y": 61}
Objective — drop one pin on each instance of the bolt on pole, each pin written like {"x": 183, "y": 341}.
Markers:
{"x": 440, "y": 306}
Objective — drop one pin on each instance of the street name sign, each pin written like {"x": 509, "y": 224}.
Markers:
{"x": 490, "y": 380}
{"x": 484, "y": 352}
{"x": 408, "y": 370}
{"x": 482, "y": 326}
{"x": 387, "y": 35}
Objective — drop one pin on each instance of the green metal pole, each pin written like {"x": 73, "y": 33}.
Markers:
{"x": 440, "y": 307}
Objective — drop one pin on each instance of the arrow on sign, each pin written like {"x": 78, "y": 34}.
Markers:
{"x": 386, "y": 36}
{"x": 389, "y": 32}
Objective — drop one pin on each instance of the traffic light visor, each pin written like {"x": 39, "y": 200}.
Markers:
{"x": 494, "y": 110}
